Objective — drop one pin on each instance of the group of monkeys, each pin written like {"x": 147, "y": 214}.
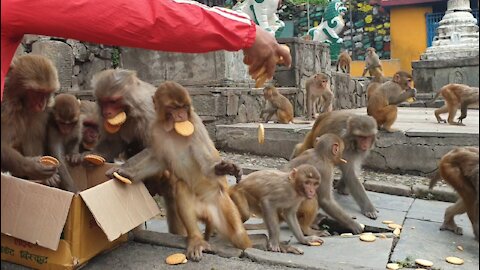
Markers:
{"x": 165, "y": 145}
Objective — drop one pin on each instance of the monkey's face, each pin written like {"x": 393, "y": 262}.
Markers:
{"x": 65, "y": 125}
{"x": 36, "y": 101}
{"x": 364, "y": 143}
{"x": 90, "y": 132}
{"x": 307, "y": 180}
{"x": 111, "y": 106}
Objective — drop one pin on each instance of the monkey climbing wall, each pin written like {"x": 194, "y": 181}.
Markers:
{"x": 369, "y": 26}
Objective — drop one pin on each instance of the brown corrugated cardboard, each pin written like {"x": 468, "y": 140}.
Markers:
{"x": 33, "y": 212}
{"x": 117, "y": 207}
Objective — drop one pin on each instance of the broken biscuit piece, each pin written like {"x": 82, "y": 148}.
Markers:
{"x": 314, "y": 243}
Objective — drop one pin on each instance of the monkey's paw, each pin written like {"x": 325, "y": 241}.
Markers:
{"x": 290, "y": 249}
{"x": 452, "y": 227}
{"x": 371, "y": 213}
{"x": 74, "y": 159}
{"x": 195, "y": 249}
{"x": 53, "y": 181}
{"x": 313, "y": 239}
{"x": 228, "y": 167}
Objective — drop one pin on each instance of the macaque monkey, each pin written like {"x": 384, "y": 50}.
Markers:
{"x": 457, "y": 96}
{"x": 344, "y": 61}
{"x": 318, "y": 87}
{"x": 359, "y": 134}
{"x": 372, "y": 64}
{"x": 324, "y": 156}
{"x": 276, "y": 103}
{"x": 28, "y": 87}
{"x": 459, "y": 168}
{"x": 64, "y": 135}
{"x": 91, "y": 125}
{"x": 382, "y": 102}
{"x": 181, "y": 145}
{"x": 275, "y": 195}
{"x": 120, "y": 91}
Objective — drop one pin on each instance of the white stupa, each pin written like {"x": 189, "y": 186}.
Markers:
{"x": 457, "y": 34}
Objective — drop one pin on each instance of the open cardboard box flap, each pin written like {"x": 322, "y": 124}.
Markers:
{"x": 32, "y": 212}
{"x": 118, "y": 207}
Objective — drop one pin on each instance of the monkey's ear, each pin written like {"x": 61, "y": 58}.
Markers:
{"x": 396, "y": 77}
{"x": 335, "y": 149}
{"x": 293, "y": 174}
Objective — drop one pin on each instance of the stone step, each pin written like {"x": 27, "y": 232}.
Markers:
{"x": 416, "y": 149}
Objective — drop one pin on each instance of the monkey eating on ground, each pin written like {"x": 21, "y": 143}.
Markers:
{"x": 459, "y": 168}
{"x": 181, "y": 145}
{"x": 318, "y": 87}
{"x": 372, "y": 64}
{"x": 382, "y": 101}
{"x": 344, "y": 61}
{"x": 358, "y": 133}
{"x": 457, "y": 96}
{"x": 275, "y": 195}
{"x": 28, "y": 87}
{"x": 324, "y": 156}
{"x": 64, "y": 134}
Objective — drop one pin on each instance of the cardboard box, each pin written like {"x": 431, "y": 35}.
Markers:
{"x": 48, "y": 228}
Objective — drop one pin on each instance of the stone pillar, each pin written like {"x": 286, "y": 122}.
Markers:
{"x": 453, "y": 56}
{"x": 457, "y": 34}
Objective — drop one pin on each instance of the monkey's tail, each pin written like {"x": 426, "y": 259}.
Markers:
{"x": 430, "y": 103}
{"x": 434, "y": 177}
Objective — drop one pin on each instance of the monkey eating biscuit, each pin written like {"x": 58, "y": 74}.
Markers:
{"x": 118, "y": 119}
{"x": 184, "y": 128}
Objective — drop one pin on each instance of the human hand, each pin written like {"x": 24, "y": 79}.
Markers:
{"x": 263, "y": 56}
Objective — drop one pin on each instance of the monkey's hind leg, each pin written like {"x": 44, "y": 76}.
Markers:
{"x": 452, "y": 111}
{"x": 442, "y": 110}
{"x": 449, "y": 223}
{"x": 228, "y": 222}
{"x": 390, "y": 115}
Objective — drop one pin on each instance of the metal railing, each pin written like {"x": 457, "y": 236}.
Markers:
{"x": 432, "y": 23}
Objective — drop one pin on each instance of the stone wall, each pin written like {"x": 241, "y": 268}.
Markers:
{"x": 431, "y": 75}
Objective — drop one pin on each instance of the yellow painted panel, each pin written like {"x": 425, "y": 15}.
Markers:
{"x": 389, "y": 67}
{"x": 408, "y": 34}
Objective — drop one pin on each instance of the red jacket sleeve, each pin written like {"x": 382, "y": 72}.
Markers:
{"x": 166, "y": 25}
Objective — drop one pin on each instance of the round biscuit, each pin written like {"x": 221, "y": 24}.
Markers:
{"x": 367, "y": 237}
{"x": 97, "y": 160}
{"x": 387, "y": 222}
{"x": 261, "y": 134}
{"x": 118, "y": 119}
{"x": 185, "y": 128}
{"x": 394, "y": 226}
{"x": 121, "y": 178}
{"x": 454, "y": 260}
{"x": 424, "y": 262}
{"x": 393, "y": 266}
{"x": 176, "y": 258}
{"x": 111, "y": 128}
{"x": 314, "y": 243}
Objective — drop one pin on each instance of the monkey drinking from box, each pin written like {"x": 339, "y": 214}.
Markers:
{"x": 181, "y": 145}
{"x": 325, "y": 155}
{"x": 318, "y": 88}
{"x": 457, "y": 96}
{"x": 358, "y": 134}
{"x": 31, "y": 81}
{"x": 64, "y": 135}
{"x": 268, "y": 193}
{"x": 459, "y": 168}
{"x": 343, "y": 62}
{"x": 383, "y": 100}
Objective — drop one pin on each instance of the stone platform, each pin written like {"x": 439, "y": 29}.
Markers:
{"x": 415, "y": 149}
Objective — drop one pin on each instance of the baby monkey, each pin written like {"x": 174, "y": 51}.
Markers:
{"x": 270, "y": 193}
